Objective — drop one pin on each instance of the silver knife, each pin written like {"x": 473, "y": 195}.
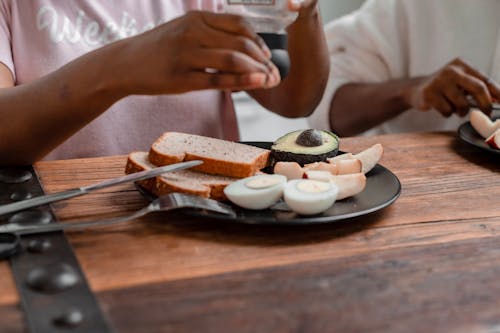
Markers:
{"x": 45, "y": 199}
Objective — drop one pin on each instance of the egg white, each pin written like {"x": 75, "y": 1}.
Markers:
{"x": 309, "y": 202}
{"x": 243, "y": 195}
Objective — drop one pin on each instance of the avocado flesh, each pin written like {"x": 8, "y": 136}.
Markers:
{"x": 286, "y": 149}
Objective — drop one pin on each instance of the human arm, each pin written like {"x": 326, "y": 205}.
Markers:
{"x": 170, "y": 59}
{"x": 379, "y": 58}
{"x": 445, "y": 91}
{"x": 300, "y": 92}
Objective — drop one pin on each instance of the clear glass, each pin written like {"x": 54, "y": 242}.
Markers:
{"x": 270, "y": 16}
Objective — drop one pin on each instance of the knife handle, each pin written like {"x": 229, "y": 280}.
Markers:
{"x": 38, "y": 201}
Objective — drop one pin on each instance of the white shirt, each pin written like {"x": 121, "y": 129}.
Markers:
{"x": 394, "y": 39}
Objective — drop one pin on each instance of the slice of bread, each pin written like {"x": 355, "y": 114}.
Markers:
{"x": 138, "y": 161}
{"x": 219, "y": 157}
{"x": 186, "y": 181}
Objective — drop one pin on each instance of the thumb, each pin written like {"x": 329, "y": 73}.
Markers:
{"x": 297, "y": 5}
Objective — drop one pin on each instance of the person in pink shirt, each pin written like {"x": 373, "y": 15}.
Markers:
{"x": 87, "y": 78}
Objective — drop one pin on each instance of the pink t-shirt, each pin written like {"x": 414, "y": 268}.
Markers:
{"x": 39, "y": 36}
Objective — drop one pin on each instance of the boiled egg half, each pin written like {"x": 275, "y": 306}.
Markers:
{"x": 309, "y": 197}
{"x": 256, "y": 192}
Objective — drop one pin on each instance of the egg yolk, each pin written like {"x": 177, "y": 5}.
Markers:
{"x": 262, "y": 182}
{"x": 313, "y": 186}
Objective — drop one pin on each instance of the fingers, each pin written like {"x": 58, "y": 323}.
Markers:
{"x": 223, "y": 52}
{"x": 233, "y": 34}
{"x": 445, "y": 99}
{"x": 447, "y": 91}
{"x": 304, "y": 8}
{"x": 224, "y": 69}
{"x": 478, "y": 90}
{"x": 468, "y": 69}
{"x": 224, "y": 60}
{"x": 440, "y": 103}
{"x": 233, "y": 24}
{"x": 198, "y": 51}
{"x": 297, "y": 5}
{"x": 221, "y": 81}
{"x": 492, "y": 87}
{"x": 223, "y": 40}
{"x": 456, "y": 99}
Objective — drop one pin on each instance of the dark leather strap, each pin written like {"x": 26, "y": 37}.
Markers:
{"x": 54, "y": 293}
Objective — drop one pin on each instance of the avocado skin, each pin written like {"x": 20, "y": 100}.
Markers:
{"x": 278, "y": 153}
{"x": 302, "y": 159}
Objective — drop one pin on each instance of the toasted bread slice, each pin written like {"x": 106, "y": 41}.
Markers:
{"x": 219, "y": 157}
{"x": 137, "y": 162}
{"x": 185, "y": 181}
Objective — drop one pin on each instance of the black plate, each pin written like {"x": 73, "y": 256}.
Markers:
{"x": 468, "y": 134}
{"x": 382, "y": 189}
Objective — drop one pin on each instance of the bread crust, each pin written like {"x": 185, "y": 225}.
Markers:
{"x": 134, "y": 165}
{"x": 185, "y": 181}
{"x": 219, "y": 157}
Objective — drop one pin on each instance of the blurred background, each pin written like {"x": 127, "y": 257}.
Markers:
{"x": 256, "y": 123}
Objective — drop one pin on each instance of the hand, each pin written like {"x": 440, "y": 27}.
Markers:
{"x": 199, "y": 50}
{"x": 447, "y": 90}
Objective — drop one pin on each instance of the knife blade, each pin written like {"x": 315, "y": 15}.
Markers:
{"x": 49, "y": 198}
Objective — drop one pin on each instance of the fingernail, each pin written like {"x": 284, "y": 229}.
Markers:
{"x": 272, "y": 81}
{"x": 295, "y": 4}
{"x": 268, "y": 83}
{"x": 257, "y": 79}
{"x": 266, "y": 50}
{"x": 277, "y": 74}
{"x": 269, "y": 66}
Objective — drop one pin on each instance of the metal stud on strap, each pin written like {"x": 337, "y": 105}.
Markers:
{"x": 54, "y": 293}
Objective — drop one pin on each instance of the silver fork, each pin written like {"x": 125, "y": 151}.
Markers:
{"x": 167, "y": 202}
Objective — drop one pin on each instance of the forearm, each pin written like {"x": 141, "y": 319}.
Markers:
{"x": 169, "y": 59}
{"x": 40, "y": 115}
{"x": 301, "y": 91}
{"x": 357, "y": 107}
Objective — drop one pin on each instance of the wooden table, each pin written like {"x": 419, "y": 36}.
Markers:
{"x": 428, "y": 263}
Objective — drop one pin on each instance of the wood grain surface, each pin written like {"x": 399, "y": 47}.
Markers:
{"x": 427, "y": 263}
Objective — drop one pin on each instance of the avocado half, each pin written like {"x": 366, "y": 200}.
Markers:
{"x": 305, "y": 146}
